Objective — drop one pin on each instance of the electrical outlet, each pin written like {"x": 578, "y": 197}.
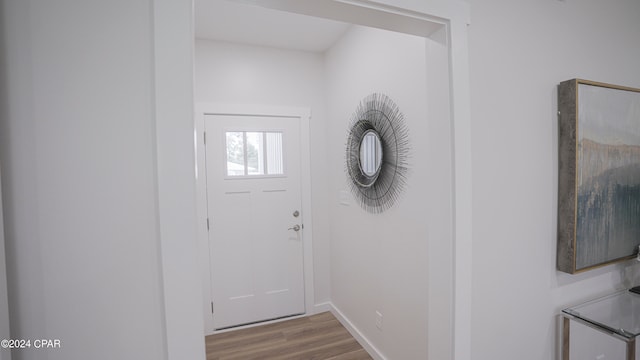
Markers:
{"x": 344, "y": 198}
{"x": 379, "y": 320}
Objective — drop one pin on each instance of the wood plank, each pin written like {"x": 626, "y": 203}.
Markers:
{"x": 325, "y": 351}
{"x": 354, "y": 355}
{"x": 317, "y": 337}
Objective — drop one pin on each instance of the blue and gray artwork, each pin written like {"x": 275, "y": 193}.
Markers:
{"x": 608, "y": 204}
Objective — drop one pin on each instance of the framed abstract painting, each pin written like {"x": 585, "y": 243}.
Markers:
{"x": 599, "y": 174}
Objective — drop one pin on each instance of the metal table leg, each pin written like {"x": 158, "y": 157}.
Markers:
{"x": 565, "y": 338}
{"x": 631, "y": 349}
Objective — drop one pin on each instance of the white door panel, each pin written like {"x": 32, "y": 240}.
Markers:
{"x": 256, "y": 258}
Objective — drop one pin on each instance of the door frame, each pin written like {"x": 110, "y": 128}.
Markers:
{"x": 304, "y": 115}
{"x": 173, "y": 104}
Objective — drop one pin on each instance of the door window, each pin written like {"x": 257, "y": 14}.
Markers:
{"x": 254, "y": 153}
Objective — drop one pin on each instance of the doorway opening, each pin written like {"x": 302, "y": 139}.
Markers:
{"x": 241, "y": 84}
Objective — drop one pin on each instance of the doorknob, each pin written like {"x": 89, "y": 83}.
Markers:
{"x": 295, "y": 228}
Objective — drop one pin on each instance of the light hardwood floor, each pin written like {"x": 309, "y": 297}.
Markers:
{"x": 318, "y": 337}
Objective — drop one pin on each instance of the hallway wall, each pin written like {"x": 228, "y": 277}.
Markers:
{"x": 77, "y": 148}
{"x": 5, "y": 333}
{"x": 398, "y": 263}
{"x": 519, "y": 52}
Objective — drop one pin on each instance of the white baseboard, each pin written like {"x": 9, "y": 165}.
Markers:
{"x": 366, "y": 344}
{"x": 322, "y": 307}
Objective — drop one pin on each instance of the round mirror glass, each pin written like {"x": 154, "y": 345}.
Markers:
{"x": 370, "y": 153}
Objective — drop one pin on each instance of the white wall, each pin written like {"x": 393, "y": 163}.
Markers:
{"x": 77, "y": 147}
{"x": 82, "y": 241}
{"x": 519, "y": 52}
{"x": 238, "y": 74}
{"x": 381, "y": 262}
{"x": 5, "y": 333}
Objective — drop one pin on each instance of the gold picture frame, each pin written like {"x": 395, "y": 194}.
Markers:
{"x": 599, "y": 174}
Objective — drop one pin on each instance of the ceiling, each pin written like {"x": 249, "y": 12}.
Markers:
{"x": 249, "y": 24}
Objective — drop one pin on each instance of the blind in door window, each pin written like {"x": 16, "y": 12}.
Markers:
{"x": 254, "y": 153}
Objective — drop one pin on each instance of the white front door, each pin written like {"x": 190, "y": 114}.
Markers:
{"x": 255, "y": 218}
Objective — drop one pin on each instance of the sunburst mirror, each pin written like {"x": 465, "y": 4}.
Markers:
{"x": 377, "y": 153}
